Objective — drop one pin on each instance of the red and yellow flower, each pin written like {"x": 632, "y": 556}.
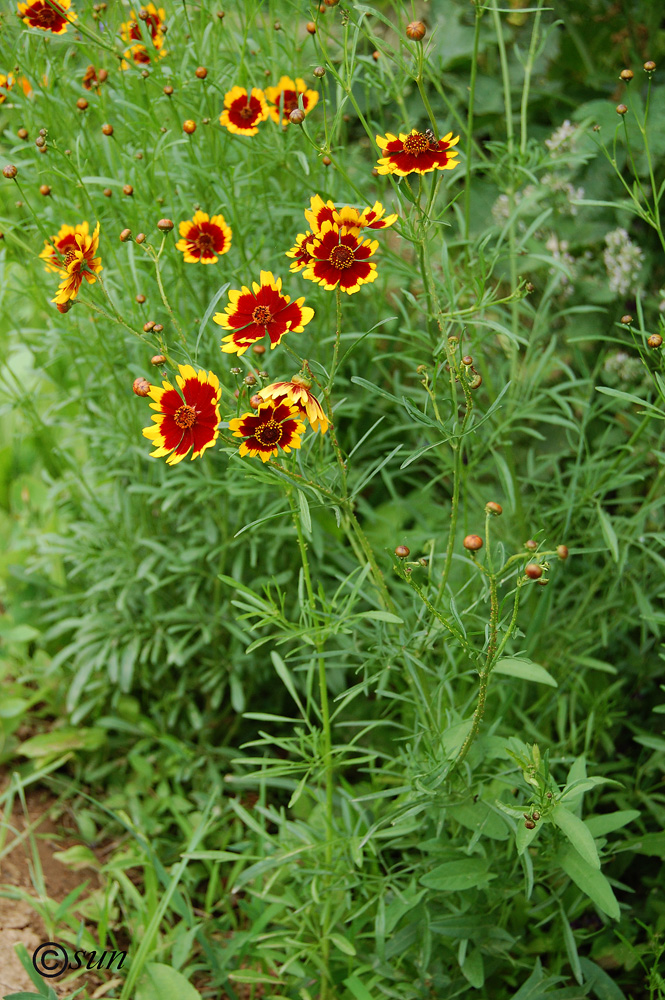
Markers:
{"x": 6, "y": 84}
{"x": 271, "y": 427}
{"x": 56, "y": 249}
{"x": 340, "y": 257}
{"x": 80, "y": 263}
{"x": 285, "y": 95}
{"x": 263, "y": 310}
{"x": 185, "y": 419}
{"x": 203, "y": 238}
{"x": 296, "y": 393}
{"x": 130, "y": 31}
{"x": 301, "y": 251}
{"x": 242, "y": 111}
{"x": 325, "y": 211}
{"x": 416, "y": 152}
{"x": 90, "y": 79}
{"x": 49, "y": 15}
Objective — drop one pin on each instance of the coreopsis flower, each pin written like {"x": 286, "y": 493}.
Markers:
{"x": 300, "y": 252}
{"x": 285, "y": 95}
{"x": 130, "y": 31}
{"x": 6, "y": 84}
{"x": 90, "y": 79}
{"x": 242, "y": 111}
{"x": 296, "y": 393}
{"x": 340, "y": 257}
{"x": 185, "y": 419}
{"x": 325, "y": 211}
{"x": 80, "y": 263}
{"x": 49, "y": 15}
{"x": 203, "y": 238}
{"x": 250, "y": 315}
{"x": 416, "y": 152}
{"x": 55, "y": 250}
{"x": 271, "y": 427}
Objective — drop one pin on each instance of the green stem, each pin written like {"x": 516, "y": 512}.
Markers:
{"x": 469, "y": 127}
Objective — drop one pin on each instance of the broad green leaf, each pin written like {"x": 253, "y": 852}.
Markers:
{"x": 607, "y": 822}
{"x": 355, "y": 987}
{"x": 524, "y": 836}
{"x": 341, "y": 942}
{"x": 602, "y": 986}
{"x": 591, "y": 881}
{"x": 250, "y": 976}
{"x": 11, "y": 707}
{"x": 526, "y": 670}
{"x": 455, "y": 875}
{"x": 577, "y": 833}
{"x": 77, "y": 857}
{"x": 17, "y": 633}
{"x": 161, "y": 982}
{"x": 478, "y": 816}
{"x": 473, "y": 969}
{"x": 60, "y": 740}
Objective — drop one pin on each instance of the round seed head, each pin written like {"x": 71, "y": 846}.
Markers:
{"x": 157, "y": 359}
{"x": 311, "y": 27}
{"x": 473, "y": 543}
{"x": 402, "y": 551}
{"x": 531, "y": 545}
{"x": 649, "y": 66}
{"x": 627, "y": 319}
{"x": 534, "y": 571}
{"x": 492, "y": 507}
{"x": 201, "y": 72}
{"x": 107, "y": 129}
{"x": 621, "y": 109}
{"x": 128, "y": 190}
{"x": 297, "y": 116}
{"x": 562, "y": 551}
{"x": 416, "y": 31}
{"x": 45, "y": 190}
{"x": 166, "y": 225}
{"x": 189, "y": 126}
{"x": 626, "y": 75}
{"x": 141, "y": 386}
{"x": 655, "y": 340}
{"x": 9, "y": 171}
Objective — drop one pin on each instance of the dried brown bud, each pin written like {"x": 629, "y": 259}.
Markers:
{"x": 402, "y": 551}
{"x": 562, "y": 551}
{"x": 221, "y": 15}
{"x": 326, "y": 161}
{"x": 157, "y": 359}
{"x": 319, "y": 71}
{"x": 255, "y": 401}
{"x": 258, "y": 349}
{"x": 157, "y": 328}
{"x": 535, "y": 816}
{"x": 627, "y": 319}
{"x": 107, "y": 193}
{"x": 250, "y": 379}
{"x": 64, "y": 307}
{"x": 9, "y": 171}
{"x": 415, "y": 31}
{"x": 297, "y": 116}
{"x": 473, "y": 543}
{"x": 140, "y": 238}
{"x": 531, "y": 545}
{"x": 107, "y": 129}
{"x": 150, "y": 325}
{"x": 655, "y": 340}
{"x": 140, "y": 298}
{"x": 166, "y": 225}
{"x": 621, "y": 109}
{"x": 125, "y": 235}
{"x": 168, "y": 89}
{"x": 141, "y": 386}
{"x": 626, "y": 75}
{"x": 533, "y": 571}
{"x": 128, "y": 190}
{"x": 189, "y": 126}
{"x": 491, "y": 507}
{"x": 81, "y": 104}
{"x": 201, "y": 72}
{"x": 22, "y": 133}
{"x": 649, "y": 66}
{"x": 40, "y": 141}
{"x": 45, "y": 190}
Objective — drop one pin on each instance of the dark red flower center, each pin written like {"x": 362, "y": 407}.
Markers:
{"x": 416, "y": 143}
{"x": 141, "y": 54}
{"x": 44, "y": 16}
{"x": 290, "y": 104}
{"x": 270, "y": 433}
{"x": 247, "y": 112}
{"x": 204, "y": 242}
{"x": 341, "y": 256}
{"x": 185, "y": 417}
{"x": 70, "y": 256}
{"x": 262, "y": 315}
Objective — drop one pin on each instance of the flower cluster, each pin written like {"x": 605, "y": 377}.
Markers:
{"x": 49, "y": 15}
{"x": 154, "y": 20}
{"x": 623, "y": 261}
{"x": 244, "y": 111}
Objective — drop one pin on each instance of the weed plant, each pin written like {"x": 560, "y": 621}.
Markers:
{"x": 365, "y": 694}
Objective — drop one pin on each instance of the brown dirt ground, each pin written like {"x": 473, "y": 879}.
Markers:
{"x": 19, "y": 922}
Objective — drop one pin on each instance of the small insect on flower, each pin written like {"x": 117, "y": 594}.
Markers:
{"x": 296, "y": 393}
{"x": 187, "y": 417}
{"x": 48, "y": 15}
{"x": 416, "y": 152}
{"x": 250, "y": 315}
{"x": 204, "y": 238}
{"x": 272, "y": 427}
{"x": 243, "y": 112}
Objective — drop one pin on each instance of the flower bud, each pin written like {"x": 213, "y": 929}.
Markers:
{"x": 255, "y": 401}
{"x": 40, "y": 141}
{"x": 128, "y": 190}
{"x": 64, "y": 307}
{"x": 107, "y": 129}
{"x": 533, "y": 571}
{"x": 9, "y": 171}
{"x": 655, "y": 340}
{"x": 250, "y": 379}
{"x": 375, "y": 55}
{"x": 258, "y": 349}
{"x": 165, "y": 225}
{"x": 621, "y": 109}
{"x": 297, "y": 116}
{"x": 125, "y": 235}
{"x": 476, "y": 382}
{"x": 157, "y": 328}
{"x": 189, "y": 126}
{"x": 157, "y": 359}
{"x": 415, "y": 31}
{"x": 542, "y": 583}
{"x": 235, "y": 371}
{"x": 201, "y": 72}
{"x": 311, "y": 27}
{"x": 319, "y": 71}
{"x": 103, "y": 75}
{"x": 467, "y": 360}
{"x": 107, "y": 193}
{"x": 491, "y": 507}
{"x": 626, "y": 75}
{"x": 402, "y": 551}
{"x": 140, "y": 238}
{"x": 82, "y": 104}
{"x": 331, "y": 3}
{"x": 529, "y": 824}
{"x": 22, "y": 133}
{"x": 562, "y": 551}
{"x": 326, "y": 161}
{"x": 168, "y": 89}
{"x": 535, "y": 816}
{"x": 140, "y": 299}
{"x": 531, "y": 545}
{"x": 141, "y": 386}
{"x": 649, "y": 66}
{"x": 473, "y": 543}
{"x": 627, "y": 319}
{"x": 45, "y": 190}
{"x": 150, "y": 325}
